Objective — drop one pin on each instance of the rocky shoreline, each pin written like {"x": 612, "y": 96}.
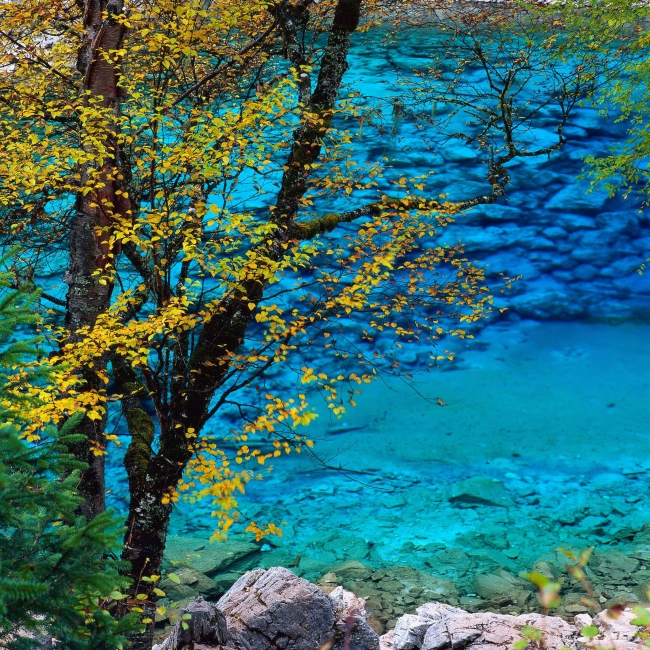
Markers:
{"x": 450, "y": 575}
{"x": 210, "y": 571}
{"x": 273, "y": 609}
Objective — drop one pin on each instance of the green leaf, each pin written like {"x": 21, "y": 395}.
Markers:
{"x": 185, "y": 625}
{"x": 642, "y": 617}
{"x": 532, "y": 633}
{"x": 589, "y": 631}
{"x": 520, "y": 645}
{"x": 141, "y": 596}
{"x": 158, "y": 592}
{"x": 174, "y": 578}
{"x": 538, "y": 579}
{"x": 116, "y": 595}
{"x": 187, "y": 617}
{"x": 585, "y": 555}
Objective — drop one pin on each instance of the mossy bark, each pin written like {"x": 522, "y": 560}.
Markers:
{"x": 153, "y": 474}
{"x": 89, "y": 255}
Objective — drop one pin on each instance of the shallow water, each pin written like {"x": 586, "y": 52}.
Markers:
{"x": 556, "y": 411}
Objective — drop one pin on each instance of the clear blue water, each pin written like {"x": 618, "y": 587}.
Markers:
{"x": 552, "y": 399}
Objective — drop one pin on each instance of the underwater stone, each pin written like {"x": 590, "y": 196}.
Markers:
{"x": 548, "y": 304}
{"x": 585, "y": 271}
{"x": 393, "y": 501}
{"x": 210, "y": 558}
{"x": 592, "y": 253}
{"x": 458, "y": 154}
{"x": 620, "y": 222}
{"x": 347, "y": 546}
{"x": 554, "y": 232}
{"x": 351, "y": 570}
{"x": 624, "y": 266}
{"x": 573, "y": 222}
{"x": 476, "y": 239}
{"x": 574, "y": 198}
{"x": 224, "y": 581}
{"x": 512, "y": 264}
{"x": 498, "y": 586}
{"x": 494, "y": 212}
{"x": 480, "y": 490}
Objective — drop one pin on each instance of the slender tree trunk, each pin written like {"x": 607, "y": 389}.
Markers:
{"x": 90, "y": 229}
{"x": 153, "y": 475}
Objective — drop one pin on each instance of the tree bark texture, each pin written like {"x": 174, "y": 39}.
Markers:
{"x": 153, "y": 474}
{"x": 90, "y": 229}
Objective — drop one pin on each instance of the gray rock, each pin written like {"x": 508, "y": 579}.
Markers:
{"x": 455, "y": 632}
{"x": 207, "y": 625}
{"x": 411, "y": 629}
{"x": 495, "y": 631}
{"x": 480, "y": 490}
{"x": 437, "y": 611}
{"x": 409, "y": 632}
{"x": 386, "y": 640}
{"x": 616, "y": 633}
{"x": 350, "y": 620}
{"x": 275, "y": 608}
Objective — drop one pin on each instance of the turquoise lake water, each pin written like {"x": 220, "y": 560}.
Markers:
{"x": 552, "y": 398}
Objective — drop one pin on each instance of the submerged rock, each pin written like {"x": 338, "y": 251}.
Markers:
{"x": 502, "y": 586}
{"x": 211, "y": 558}
{"x": 480, "y": 490}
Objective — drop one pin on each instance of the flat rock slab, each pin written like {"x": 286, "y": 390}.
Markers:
{"x": 486, "y": 630}
{"x": 441, "y": 627}
{"x": 210, "y": 558}
{"x": 480, "y": 490}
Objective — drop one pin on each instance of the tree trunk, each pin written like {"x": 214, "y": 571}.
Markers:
{"x": 90, "y": 230}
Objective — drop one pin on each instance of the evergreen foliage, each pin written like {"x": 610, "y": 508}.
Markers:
{"x": 55, "y": 573}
